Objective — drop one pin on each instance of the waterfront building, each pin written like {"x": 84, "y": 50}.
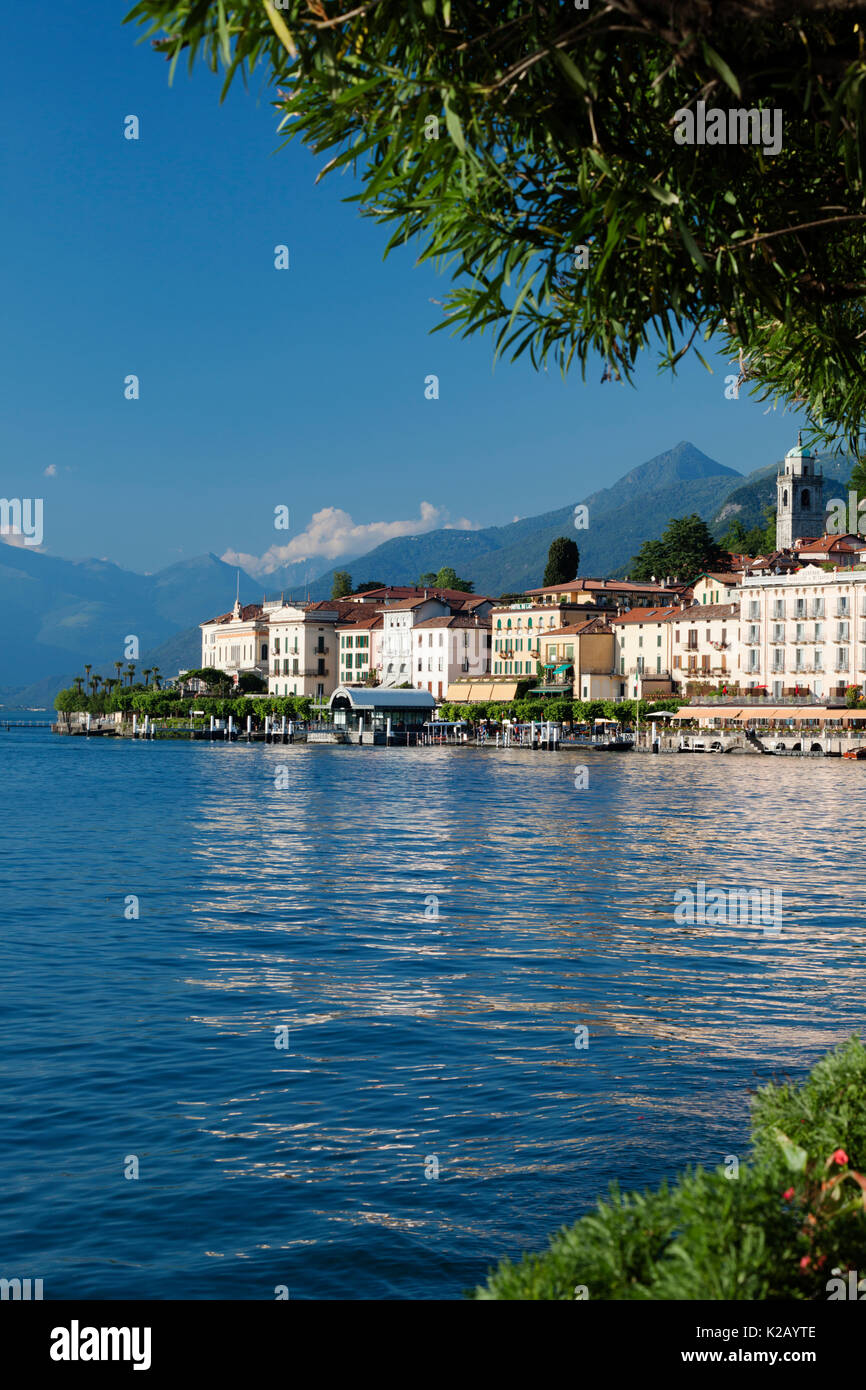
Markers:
{"x": 705, "y": 643}
{"x": 804, "y": 632}
{"x": 367, "y": 715}
{"x": 401, "y": 617}
{"x": 578, "y": 661}
{"x": 448, "y": 648}
{"x": 398, "y": 621}
{"x": 359, "y": 644}
{"x": 643, "y": 650}
{"x": 237, "y": 642}
{"x": 517, "y": 628}
{"x": 304, "y": 649}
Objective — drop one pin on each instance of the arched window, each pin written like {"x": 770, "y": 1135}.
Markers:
{"x": 498, "y": 624}
{"x": 508, "y": 624}
{"x": 785, "y": 498}
{"x": 529, "y": 624}
{"x": 804, "y": 498}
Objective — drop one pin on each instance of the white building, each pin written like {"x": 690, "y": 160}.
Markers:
{"x": 237, "y": 642}
{"x": 304, "y": 647}
{"x": 804, "y": 633}
{"x": 448, "y": 648}
{"x": 398, "y": 622}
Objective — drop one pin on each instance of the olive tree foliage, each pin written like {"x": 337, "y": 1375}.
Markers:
{"x": 501, "y": 138}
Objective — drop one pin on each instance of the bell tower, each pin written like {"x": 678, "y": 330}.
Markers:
{"x": 799, "y": 497}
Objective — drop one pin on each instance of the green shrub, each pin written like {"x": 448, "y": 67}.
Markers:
{"x": 792, "y": 1217}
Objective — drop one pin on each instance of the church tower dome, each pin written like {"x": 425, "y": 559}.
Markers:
{"x": 799, "y": 497}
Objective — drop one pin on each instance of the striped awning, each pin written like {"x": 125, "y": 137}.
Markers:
{"x": 705, "y": 712}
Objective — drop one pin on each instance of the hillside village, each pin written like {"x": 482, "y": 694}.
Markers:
{"x": 783, "y": 624}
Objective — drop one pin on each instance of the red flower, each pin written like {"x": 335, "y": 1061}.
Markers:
{"x": 804, "y": 1263}
{"x": 840, "y": 1156}
{"x": 789, "y": 1194}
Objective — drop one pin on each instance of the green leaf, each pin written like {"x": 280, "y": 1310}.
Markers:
{"x": 721, "y": 68}
{"x": 223, "y": 33}
{"x": 690, "y": 244}
{"x": 455, "y": 129}
{"x": 571, "y": 70}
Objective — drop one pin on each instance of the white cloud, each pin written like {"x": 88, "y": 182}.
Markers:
{"x": 332, "y": 534}
{"x": 50, "y": 471}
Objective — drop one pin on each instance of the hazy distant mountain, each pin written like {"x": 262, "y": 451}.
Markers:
{"x": 59, "y": 614}
{"x": 502, "y": 559}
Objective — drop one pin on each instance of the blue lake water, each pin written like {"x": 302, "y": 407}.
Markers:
{"x": 412, "y": 1037}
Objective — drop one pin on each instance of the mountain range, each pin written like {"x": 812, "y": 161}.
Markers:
{"x": 59, "y": 614}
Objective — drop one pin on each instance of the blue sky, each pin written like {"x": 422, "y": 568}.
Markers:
{"x": 260, "y": 387}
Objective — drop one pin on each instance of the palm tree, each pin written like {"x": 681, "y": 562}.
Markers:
{"x": 78, "y": 682}
{"x": 146, "y": 677}
{"x": 117, "y": 667}
{"x": 156, "y": 676}
{"x": 130, "y": 671}
{"x": 87, "y": 671}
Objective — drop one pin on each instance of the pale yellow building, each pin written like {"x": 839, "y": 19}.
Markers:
{"x": 643, "y": 651}
{"x": 237, "y": 642}
{"x": 304, "y": 647}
